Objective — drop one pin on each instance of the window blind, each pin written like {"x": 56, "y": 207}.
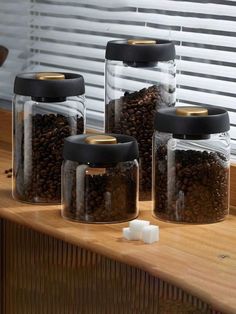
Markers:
{"x": 71, "y": 36}
{"x": 14, "y": 36}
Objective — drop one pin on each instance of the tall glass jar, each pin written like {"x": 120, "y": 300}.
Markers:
{"x": 139, "y": 79}
{"x": 191, "y": 149}
{"x": 100, "y": 178}
{"x": 47, "y": 108}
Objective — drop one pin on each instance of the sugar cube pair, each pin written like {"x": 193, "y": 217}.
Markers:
{"x": 141, "y": 230}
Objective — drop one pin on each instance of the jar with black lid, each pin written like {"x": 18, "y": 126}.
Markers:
{"x": 191, "y": 162}
{"x": 100, "y": 178}
{"x": 47, "y": 108}
{"x": 139, "y": 79}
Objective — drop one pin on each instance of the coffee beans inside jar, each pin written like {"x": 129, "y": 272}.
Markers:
{"x": 191, "y": 149}
{"x": 48, "y": 107}
{"x": 139, "y": 79}
{"x": 38, "y": 178}
{"x": 108, "y": 193}
{"x": 100, "y": 178}
{"x": 195, "y": 189}
{"x": 133, "y": 114}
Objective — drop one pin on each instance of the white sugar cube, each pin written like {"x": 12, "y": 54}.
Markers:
{"x": 131, "y": 235}
{"x": 137, "y": 225}
{"x": 150, "y": 234}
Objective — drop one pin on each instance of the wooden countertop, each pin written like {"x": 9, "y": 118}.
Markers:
{"x": 198, "y": 258}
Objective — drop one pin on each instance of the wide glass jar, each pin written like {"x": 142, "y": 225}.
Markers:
{"x": 47, "y": 108}
{"x": 191, "y": 149}
{"x": 100, "y": 178}
{"x": 139, "y": 79}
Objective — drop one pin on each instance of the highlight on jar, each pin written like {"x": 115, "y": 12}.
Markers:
{"x": 48, "y": 107}
{"x": 191, "y": 163}
{"x": 139, "y": 79}
{"x": 100, "y": 178}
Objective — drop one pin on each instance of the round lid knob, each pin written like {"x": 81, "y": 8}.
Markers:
{"x": 101, "y": 139}
{"x": 141, "y": 42}
{"x": 191, "y": 111}
{"x": 49, "y": 76}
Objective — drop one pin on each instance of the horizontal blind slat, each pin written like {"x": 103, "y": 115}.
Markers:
{"x": 66, "y": 62}
{"x": 14, "y": 30}
{"x": 206, "y": 98}
{"x": 211, "y": 54}
{"x": 173, "y": 6}
{"x": 160, "y": 19}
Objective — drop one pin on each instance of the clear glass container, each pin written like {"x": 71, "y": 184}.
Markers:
{"x": 191, "y": 175}
{"x": 41, "y": 123}
{"x": 139, "y": 79}
{"x": 102, "y": 191}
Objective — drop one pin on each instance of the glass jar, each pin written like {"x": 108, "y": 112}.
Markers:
{"x": 139, "y": 79}
{"x": 100, "y": 178}
{"x": 191, "y": 149}
{"x": 47, "y": 108}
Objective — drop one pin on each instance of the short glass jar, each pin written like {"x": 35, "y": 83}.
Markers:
{"x": 139, "y": 79}
{"x": 100, "y": 178}
{"x": 191, "y": 149}
{"x": 47, "y": 108}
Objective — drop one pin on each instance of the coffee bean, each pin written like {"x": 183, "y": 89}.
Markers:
{"x": 8, "y": 171}
{"x": 196, "y": 189}
{"x": 109, "y": 196}
{"x": 42, "y": 181}
{"x": 133, "y": 114}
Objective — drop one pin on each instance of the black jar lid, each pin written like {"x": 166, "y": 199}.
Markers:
{"x": 140, "y": 51}
{"x": 171, "y": 120}
{"x": 83, "y": 148}
{"x": 49, "y": 85}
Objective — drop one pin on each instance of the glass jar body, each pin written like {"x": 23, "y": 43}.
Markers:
{"x": 133, "y": 94}
{"x": 39, "y": 129}
{"x": 191, "y": 178}
{"x": 100, "y": 193}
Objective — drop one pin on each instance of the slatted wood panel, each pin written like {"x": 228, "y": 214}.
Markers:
{"x": 44, "y": 275}
{"x": 2, "y": 282}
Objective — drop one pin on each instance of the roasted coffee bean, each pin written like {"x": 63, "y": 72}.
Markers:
{"x": 38, "y": 176}
{"x": 108, "y": 196}
{"x": 8, "y": 171}
{"x": 195, "y": 187}
{"x": 133, "y": 114}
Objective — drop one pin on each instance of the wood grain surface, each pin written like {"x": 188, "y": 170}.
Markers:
{"x": 5, "y": 129}
{"x": 201, "y": 259}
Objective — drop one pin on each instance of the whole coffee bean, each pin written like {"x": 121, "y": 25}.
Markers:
{"x": 38, "y": 176}
{"x": 109, "y": 194}
{"x": 194, "y": 188}
{"x": 133, "y": 114}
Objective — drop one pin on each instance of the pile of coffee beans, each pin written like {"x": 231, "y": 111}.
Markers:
{"x": 8, "y": 173}
{"x": 133, "y": 114}
{"x": 38, "y": 179}
{"x": 196, "y": 189}
{"x": 109, "y": 194}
